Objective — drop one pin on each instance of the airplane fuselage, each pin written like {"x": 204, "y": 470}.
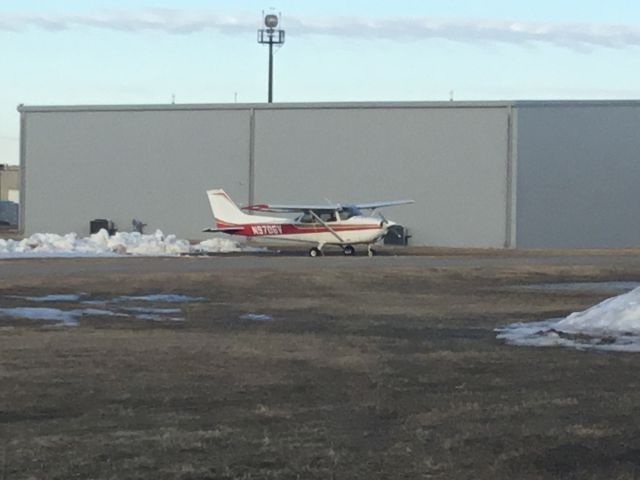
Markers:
{"x": 342, "y": 225}
{"x": 355, "y": 230}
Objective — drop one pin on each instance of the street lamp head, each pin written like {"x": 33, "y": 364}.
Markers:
{"x": 271, "y": 21}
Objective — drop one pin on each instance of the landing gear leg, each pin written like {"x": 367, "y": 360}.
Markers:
{"x": 370, "y": 251}
{"x": 348, "y": 250}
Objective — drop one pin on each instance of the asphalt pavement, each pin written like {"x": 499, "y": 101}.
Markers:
{"x": 52, "y": 267}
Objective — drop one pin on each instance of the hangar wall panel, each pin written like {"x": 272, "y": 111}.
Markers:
{"x": 150, "y": 165}
{"x": 452, "y": 161}
{"x": 578, "y": 173}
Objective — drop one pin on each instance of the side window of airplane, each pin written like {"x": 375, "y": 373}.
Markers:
{"x": 328, "y": 216}
{"x": 306, "y": 218}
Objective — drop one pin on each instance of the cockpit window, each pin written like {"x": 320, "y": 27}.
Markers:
{"x": 308, "y": 217}
{"x": 348, "y": 212}
{"x": 328, "y": 216}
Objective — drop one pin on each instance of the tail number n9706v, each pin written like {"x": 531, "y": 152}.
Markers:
{"x": 266, "y": 229}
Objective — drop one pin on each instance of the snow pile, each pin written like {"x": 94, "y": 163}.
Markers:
{"x": 101, "y": 244}
{"x": 223, "y": 245}
{"x": 613, "y": 324}
{"x": 216, "y": 245}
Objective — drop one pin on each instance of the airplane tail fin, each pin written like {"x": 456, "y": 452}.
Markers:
{"x": 225, "y": 212}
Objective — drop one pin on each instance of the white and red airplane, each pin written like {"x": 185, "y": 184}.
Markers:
{"x": 340, "y": 225}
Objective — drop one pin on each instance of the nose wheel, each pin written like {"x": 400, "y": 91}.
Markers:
{"x": 370, "y": 251}
{"x": 315, "y": 252}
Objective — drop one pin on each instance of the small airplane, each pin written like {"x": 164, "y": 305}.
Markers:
{"x": 339, "y": 225}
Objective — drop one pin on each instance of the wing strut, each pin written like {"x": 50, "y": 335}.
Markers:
{"x": 335, "y": 234}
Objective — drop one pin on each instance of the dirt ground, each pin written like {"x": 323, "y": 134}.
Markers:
{"x": 369, "y": 369}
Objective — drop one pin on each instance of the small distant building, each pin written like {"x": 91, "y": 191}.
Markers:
{"x": 10, "y": 183}
{"x": 9, "y": 196}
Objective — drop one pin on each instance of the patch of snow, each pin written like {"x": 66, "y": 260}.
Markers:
{"x": 151, "y": 310}
{"x": 158, "y": 318}
{"x": 99, "y": 311}
{"x": 117, "y": 307}
{"x": 613, "y": 324}
{"x": 48, "y": 314}
{"x": 168, "y": 298}
{"x": 122, "y": 243}
{"x": 70, "y": 317}
{"x": 50, "y": 298}
{"x": 256, "y": 317}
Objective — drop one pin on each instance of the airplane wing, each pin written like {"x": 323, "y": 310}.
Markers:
{"x": 374, "y": 205}
{"x": 263, "y": 207}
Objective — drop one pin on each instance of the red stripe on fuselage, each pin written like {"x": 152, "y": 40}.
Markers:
{"x": 275, "y": 229}
{"x": 223, "y": 224}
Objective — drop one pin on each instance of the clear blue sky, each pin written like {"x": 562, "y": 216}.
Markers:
{"x": 143, "y": 51}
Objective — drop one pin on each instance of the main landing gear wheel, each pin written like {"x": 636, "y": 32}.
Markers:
{"x": 349, "y": 250}
{"x": 315, "y": 252}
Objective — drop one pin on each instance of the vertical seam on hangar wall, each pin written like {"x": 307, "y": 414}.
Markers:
{"x": 252, "y": 155}
{"x": 512, "y": 177}
{"x": 510, "y": 191}
{"x": 23, "y": 176}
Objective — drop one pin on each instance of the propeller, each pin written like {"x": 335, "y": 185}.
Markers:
{"x": 385, "y": 223}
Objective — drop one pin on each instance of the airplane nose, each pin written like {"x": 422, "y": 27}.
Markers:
{"x": 386, "y": 224}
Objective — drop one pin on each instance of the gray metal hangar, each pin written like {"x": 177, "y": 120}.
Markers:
{"x": 483, "y": 174}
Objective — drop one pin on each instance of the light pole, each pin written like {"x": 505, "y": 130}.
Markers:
{"x": 271, "y": 36}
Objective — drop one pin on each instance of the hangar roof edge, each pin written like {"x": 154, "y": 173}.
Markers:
{"x": 261, "y": 106}
{"x": 323, "y": 105}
